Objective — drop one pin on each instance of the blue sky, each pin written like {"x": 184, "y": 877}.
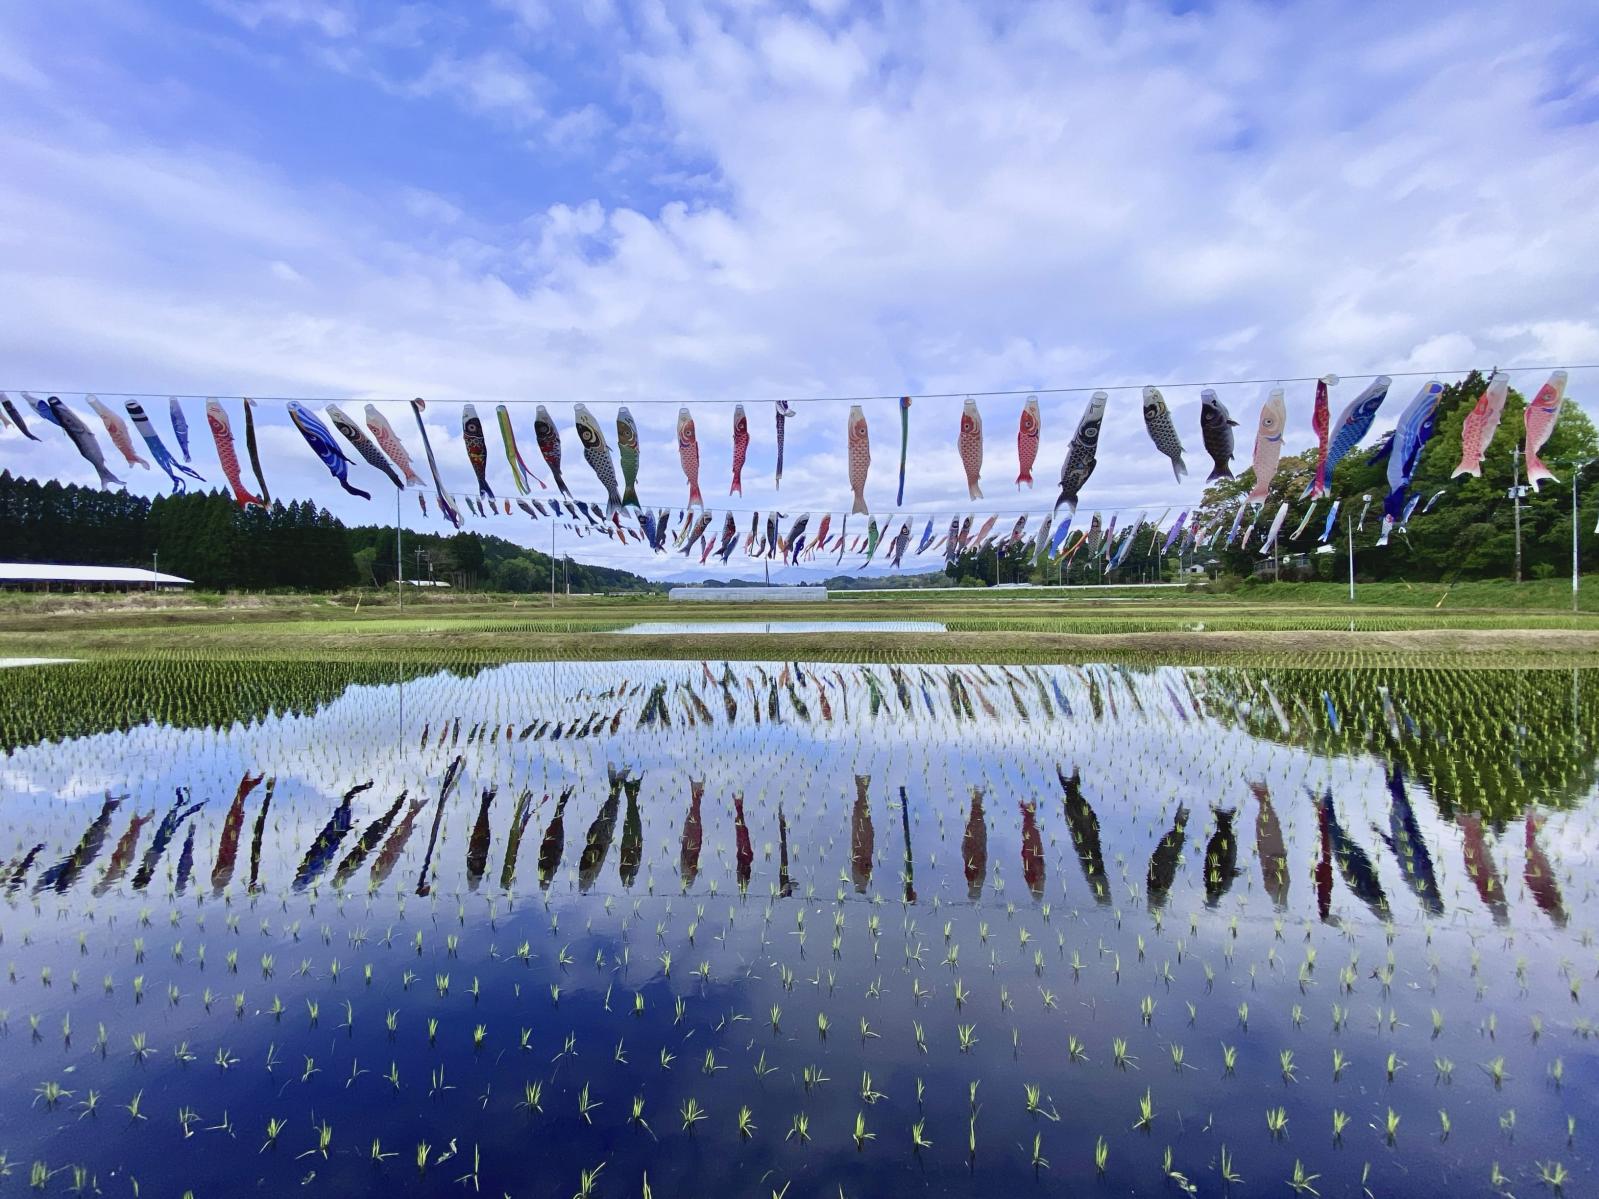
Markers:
{"x": 660, "y": 203}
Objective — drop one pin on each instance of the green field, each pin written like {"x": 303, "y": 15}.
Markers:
{"x": 1286, "y": 623}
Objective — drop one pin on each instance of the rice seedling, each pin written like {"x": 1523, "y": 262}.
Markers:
{"x": 1302, "y": 1180}
{"x": 1146, "y": 1110}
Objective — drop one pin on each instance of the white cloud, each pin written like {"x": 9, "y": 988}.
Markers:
{"x": 931, "y": 199}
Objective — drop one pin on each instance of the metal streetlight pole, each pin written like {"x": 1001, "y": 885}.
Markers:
{"x": 1576, "y": 572}
{"x": 1349, "y": 535}
{"x": 399, "y": 554}
{"x": 1515, "y": 497}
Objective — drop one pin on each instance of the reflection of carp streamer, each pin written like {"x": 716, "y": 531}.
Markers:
{"x": 122, "y": 855}
{"x": 384, "y": 862}
{"x": 423, "y": 887}
{"x": 328, "y": 840}
{"x": 367, "y": 843}
{"x": 513, "y": 844}
{"x": 260, "y": 829}
{"x": 232, "y": 824}
{"x": 164, "y": 833}
{"x": 64, "y": 873}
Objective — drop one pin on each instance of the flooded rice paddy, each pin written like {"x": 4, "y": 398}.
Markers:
{"x": 697, "y": 627}
{"x": 797, "y": 929}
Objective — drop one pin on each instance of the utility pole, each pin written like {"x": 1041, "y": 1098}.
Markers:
{"x": 1349, "y": 536}
{"x": 1576, "y": 575}
{"x": 552, "y": 564}
{"x": 155, "y": 567}
{"x": 399, "y": 554}
{"x": 1515, "y": 497}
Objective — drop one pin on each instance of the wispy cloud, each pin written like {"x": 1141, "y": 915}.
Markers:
{"x": 752, "y": 201}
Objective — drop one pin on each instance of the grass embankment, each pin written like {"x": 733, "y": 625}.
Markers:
{"x": 1283, "y": 624}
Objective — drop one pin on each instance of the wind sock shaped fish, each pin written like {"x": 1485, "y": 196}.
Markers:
{"x": 927, "y": 537}
{"x": 821, "y": 533}
{"x": 904, "y": 443}
{"x": 383, "y": 433}
{"x": 42, "y": 406}
{"x": 253, "y": 450}
{"x": 987, "y": 527}
{"x": 117, "y": 430}
{"x": 1321, "y": 421}
{"x": 1413, "y": 431}
{"x": 646, "y": 523}
{"x": 1353, "y": 423}
{"x": 1540, "y": 422}
{"x": 1027, "y": 433}
{"x": 1268, "y": 444}
{"x": 222, "y": 434}
{"x": 158, "y": 451}
{"x": 351, "y": 432}
{"x": 1332, "y": 519}
{"x": 1041, "y": 541}
{"x": 549, "y": 439}
{"x": 43, "y": 409}
{"x": 1058, "y": 541}
{"x": 688, "y": 455}
{"x": 1157, "y": 420}
{"x": 477, "y": 449}
{"x": 896, "y": 548}
{"x": 970, "y": 444}
{"x": 627, "y": 453}
{"x": 82, "y": 437}
{"x": 1482, "y": 422}
{"x": 16, "y": 418}
{"x": 1238, "y": 520}
{"x": 180, "y": 426}
{"x": 696, "y": 530}
{"x": 597, "y": 453}
{"x": 741, "y": 448}
{"x": 873, "y": 535}
{"x": 784, "y": 411}
{"x": 520, "y": 474}
{"x": 1299, "y": 529}
{"x": 320, "y": 438}
{"x": 729, "y": 537}
{"x": 1216, "y": 432}
{"x": 1270, "y": 543}
{"x": 952, "y": 543}
{"x": 1017, "y": 531}
{"x": 446, "y": 504}
{"x": 796, "y": 536}
{"x": 1249, "y": 533}
{"x": 1083, "y": 452}
{"x": 860, "y": 455}
{"x": 771, "y": 534}
{"x": 1176, "y": 531}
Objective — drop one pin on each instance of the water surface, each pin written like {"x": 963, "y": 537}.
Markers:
{"x": 658, "y": 881}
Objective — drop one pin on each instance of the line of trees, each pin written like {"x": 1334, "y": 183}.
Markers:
{"x": 206, "y": 537}
{"x": 1470, "y": 533}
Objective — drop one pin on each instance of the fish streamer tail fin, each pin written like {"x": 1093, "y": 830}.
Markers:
{"x": 694, "y": 496}
{"x": 630, "y": 497}
{"x": 860, "y": 507}
{"x": 1468, "y": 467}
{"x": 1221, "y": 472}
{"x": 973, "y": 491}
{"x": 1179, "y": 468}
{"x": 1537, "y": 472}
{"x": 1025, "y": 476}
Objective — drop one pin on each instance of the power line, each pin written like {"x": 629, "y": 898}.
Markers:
{"x": 1077, "y": 389}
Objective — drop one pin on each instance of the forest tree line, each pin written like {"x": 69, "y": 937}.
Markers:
{"x": 206, "y": 537}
